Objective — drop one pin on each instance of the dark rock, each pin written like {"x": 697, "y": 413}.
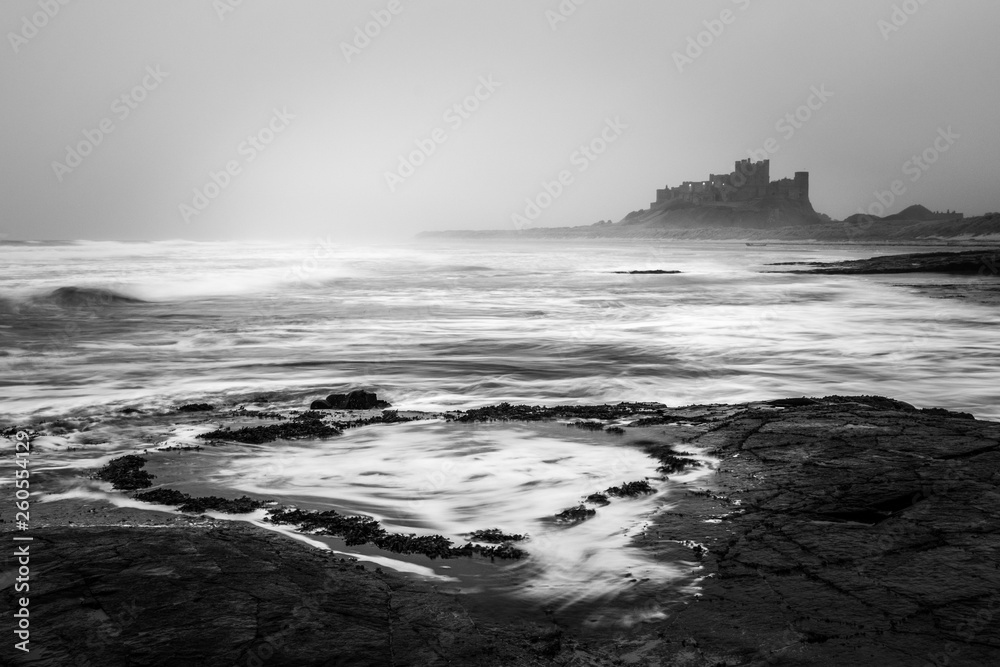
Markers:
{"x": 850, "y": 531}
{"x": 338, "y": 401}
{"x": 355, "y": 400}
{"x": 126, "y": 473}
{"x": 654, "y": 272}
{"x": 940, "y": 412}
{"x": 494, "y": 536}
{"x": 631, "y": 489}
{"x": 363, "y": 400}
{"x": 856, "y": 530}
{"x": 508, "y": 412}
{"x": 187, "y": 504}
{"x": 598, "y": 499}
{"x": 238, "y": 595}
{"x": 357, "y": 530}
{"x": 162, "y": 497}
{"x": 241, "y": 505}
{"x": 196, "y": 407}
{"x": 312, "y": 428}
{"x": 320, "y": 405}
{"x": 575, "y": 514}
{"x": 971, "y": 262}
{"x": 791, "y": 402}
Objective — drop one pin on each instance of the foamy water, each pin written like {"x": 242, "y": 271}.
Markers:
{"x": 466, "y": 326}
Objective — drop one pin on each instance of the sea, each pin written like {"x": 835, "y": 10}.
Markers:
{"x": 91, "y": 329}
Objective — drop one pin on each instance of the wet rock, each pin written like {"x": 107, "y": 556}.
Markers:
{"x": 357, "y": 530}
{"x": 310, "y": 428}
{"x": 651, "y": 272}
{"x": 126, "y": 473}
{"x": 853, "y": 530}
{"x": 971, "y": 262}
{"x": 320, "y": 405}
{"x": 355, "y": 400}
{"x": 598, "y": 499}
{"x": 162, "y": 497}
{"x": 508, "y": 412}
{"x": 575, "y": 514}
{"x": 199, "y": 505}
{"x": 196, "y": 407}
{"x": 631, "y": 489}
{"x": 494, "y": 536}
{"x": 791, "y": 402}
{"x": 238, "y": 595}
{"x": 940, "y": 412}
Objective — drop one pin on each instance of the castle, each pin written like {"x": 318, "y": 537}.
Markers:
{"x": 749, "y": 181}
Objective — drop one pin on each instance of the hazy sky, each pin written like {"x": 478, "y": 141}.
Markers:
{"x": 310, "y": 116}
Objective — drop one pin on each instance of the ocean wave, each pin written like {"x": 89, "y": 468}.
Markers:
{"x": 76, "y": 297}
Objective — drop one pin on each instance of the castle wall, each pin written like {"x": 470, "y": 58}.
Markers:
{"x": 747, "y": 182}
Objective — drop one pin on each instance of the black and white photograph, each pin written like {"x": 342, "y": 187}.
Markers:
{"x": 576, "y": 333}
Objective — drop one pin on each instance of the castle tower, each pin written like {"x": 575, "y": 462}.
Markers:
{"x": 802, "y": 184}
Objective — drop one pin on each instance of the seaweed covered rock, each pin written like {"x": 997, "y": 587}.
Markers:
{"x": 357, "y": 530}
{"x": 186, "y": 503}
{"x": 308, "y": 428}
{"x": 494, "y": 536}
{"x": 575, "y": 514}
{"x": 631, "y": 489}
{"x": 126, "y": 473}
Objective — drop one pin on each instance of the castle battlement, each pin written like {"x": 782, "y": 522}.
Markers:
{"x": 749, "y": 181}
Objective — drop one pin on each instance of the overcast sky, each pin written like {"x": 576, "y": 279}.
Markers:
{"x": 303, "y": 119}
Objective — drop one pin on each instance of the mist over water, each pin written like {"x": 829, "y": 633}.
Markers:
{"x": 434, "y": 327}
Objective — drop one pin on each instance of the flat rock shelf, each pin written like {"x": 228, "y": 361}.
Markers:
{"x": 837, "y": 531}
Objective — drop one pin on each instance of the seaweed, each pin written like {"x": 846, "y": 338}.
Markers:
{"x": 575, "y": 514}
{"x": 255, "y": 435}
{"x": 356, "y": 530}
{"x": 631, "y": 489}
{"x": 126, "y": 473}
{"x": 188, "y": 504}
{"x": 494, "y": 536}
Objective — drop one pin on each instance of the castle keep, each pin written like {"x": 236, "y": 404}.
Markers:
{"x": 749, "y": 181}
